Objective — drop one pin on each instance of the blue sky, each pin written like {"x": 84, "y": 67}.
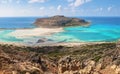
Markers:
{"x": 13, "y": 8}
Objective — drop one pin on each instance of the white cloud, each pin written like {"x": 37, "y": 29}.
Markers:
{"x": 51, "y": 8}
{"x": 70, "y": 0}
{"x": 77, "y": 3}
{"x": 109, "y": 8}
{"x": 59, "y": 8}
{"x": 42, "y": 8}
{"x": 99, "y": 9}
{"x": 35, "y": 1}
{"x": 9, "y": 1}
{"x": 5, "y": 1}
{"x": 18, "y": 1}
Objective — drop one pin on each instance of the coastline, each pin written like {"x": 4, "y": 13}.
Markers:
{"x": 29, "y": 32}
{"x": 24, "y": 33}
{"x": 67, "y": 44}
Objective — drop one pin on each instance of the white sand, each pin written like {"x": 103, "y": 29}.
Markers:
{"x": 23, "y": 33}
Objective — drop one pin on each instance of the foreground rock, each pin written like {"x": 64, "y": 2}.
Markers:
{"x": 60, "y": 21}
{"x": 88, "y": 59}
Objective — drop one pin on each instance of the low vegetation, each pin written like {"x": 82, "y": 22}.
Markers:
{"x": 42, "y": 58}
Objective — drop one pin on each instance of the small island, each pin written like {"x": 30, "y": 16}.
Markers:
{"x": 59, "y": 21}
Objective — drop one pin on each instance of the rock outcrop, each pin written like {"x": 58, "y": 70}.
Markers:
{"x": 60, "y": 21}
{"x": 42, "y": 40}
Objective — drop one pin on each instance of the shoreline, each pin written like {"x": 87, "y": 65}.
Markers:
{"x": 67, "y": 44}
{"x": 30, "y": 32}
{"x": 24, "y": 33}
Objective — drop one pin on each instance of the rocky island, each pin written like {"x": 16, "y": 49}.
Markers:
{"x": 59, "y": 21}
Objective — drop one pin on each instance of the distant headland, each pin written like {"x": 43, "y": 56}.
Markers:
{"x": 59, "y": 21}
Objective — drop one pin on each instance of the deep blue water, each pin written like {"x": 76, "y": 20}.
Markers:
{"x": 8, "y": 24}
{"x": 17, "y": 22}
{"x": 101, "y": 29}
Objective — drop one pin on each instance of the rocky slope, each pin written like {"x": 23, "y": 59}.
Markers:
{"x": 87, "y": 59}
{"x": 60, "y": 21}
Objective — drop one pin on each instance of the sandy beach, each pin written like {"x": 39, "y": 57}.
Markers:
{"x": 23, "y": 33}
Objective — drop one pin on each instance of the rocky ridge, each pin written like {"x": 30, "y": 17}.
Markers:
{"x": 87, "y": 59}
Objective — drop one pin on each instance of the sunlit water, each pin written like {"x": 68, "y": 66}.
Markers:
{"x": 101, "y": 29}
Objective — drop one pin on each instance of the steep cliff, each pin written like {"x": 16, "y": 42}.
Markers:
{"x": 60, "y": 21}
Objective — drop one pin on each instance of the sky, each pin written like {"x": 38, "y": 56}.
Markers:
{"x": 19, "y": 8}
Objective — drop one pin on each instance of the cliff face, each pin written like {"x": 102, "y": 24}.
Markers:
{"x": 88, "y": 59}
{"x": 60, "y": 21}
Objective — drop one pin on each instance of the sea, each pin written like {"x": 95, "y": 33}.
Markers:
{"x": 101, "y": 29}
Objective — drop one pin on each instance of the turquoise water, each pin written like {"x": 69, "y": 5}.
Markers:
{"x": 6, "y": 38}
{"x": 101, "y": 29}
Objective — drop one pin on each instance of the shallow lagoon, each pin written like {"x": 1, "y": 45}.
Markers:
{"x": 101, "y": 29}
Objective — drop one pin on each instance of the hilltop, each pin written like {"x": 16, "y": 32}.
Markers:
{"x": 87, "y": 59}
{"x": 60, "y": 21}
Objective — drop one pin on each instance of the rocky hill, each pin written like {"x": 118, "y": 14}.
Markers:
{"x": 60, "y": 21}
{"x": 87, "y": 59}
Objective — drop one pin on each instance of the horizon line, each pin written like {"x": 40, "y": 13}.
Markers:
{"x": 55, "y": 15}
